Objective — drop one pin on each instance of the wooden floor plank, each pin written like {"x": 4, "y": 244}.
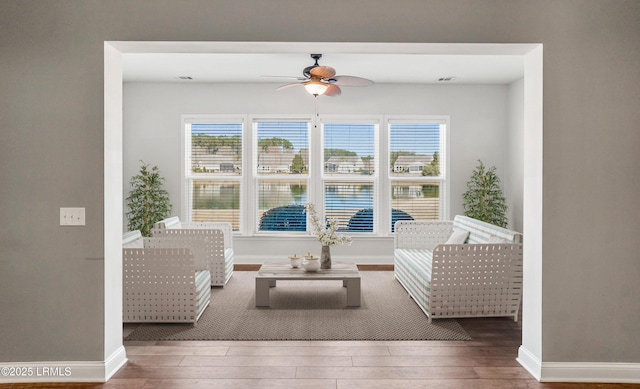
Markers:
{"x": 431, "y": 384}
{"x": 177, "y": 350}
{"x": 412, "y": 372}
{"x": 207, "y": 372}
{"x": 311, "y": 350}
{"x": 502, "y": 372}
{"x": 249, "y": 360}
{"x": 155, "y": 360}
{"x": 229, "y": 343}
{"x": 197, "y": 383}
{"x": 454, "y": 351}
{"x": 404, "y": 360}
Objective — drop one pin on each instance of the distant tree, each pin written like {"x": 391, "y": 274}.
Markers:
{"x": 431, "y": 190}
{"x": 266, "y": 143}
{"x": 328, "y": 153}
{"x": 433, "y": 168}
{"x": 214, "y": 143}
{"x": 297, "y": 165}
{"x": 298, "y": 191}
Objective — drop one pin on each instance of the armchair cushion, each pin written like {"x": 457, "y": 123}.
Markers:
{"x": 458, "y": 237}
{"x": 203, "y": 289}
{"x": 133, "y": 240}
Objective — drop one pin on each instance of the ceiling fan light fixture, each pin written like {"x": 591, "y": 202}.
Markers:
{"x": 315, "y": 87}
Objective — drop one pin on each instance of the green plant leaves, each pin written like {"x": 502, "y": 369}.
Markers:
{"x": 147, "y": 202}
{"x": 483, "y": 199}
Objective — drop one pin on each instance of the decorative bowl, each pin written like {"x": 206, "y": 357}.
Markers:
{"x": 296, "y": 261}
{"x": 311, "y": 263}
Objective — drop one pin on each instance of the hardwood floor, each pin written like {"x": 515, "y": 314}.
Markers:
{"x": 487, "y": 361}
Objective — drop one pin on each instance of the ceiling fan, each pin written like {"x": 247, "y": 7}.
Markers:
{"x": 322, "y": 80}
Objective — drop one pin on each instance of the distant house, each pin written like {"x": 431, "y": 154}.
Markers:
{"x": 224, "y": 159}
{"x": 226, "y": 167}
{"x": 344, "y": 164}
{"x": 411, "y": 163}
{"x": 407, "y": 192}
{"x": 275, "y": 159}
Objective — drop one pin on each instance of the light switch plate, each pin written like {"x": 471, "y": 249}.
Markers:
{"x": 72, "y": 217}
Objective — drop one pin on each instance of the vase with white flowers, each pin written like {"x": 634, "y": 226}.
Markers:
{"x": 326, "y": 234}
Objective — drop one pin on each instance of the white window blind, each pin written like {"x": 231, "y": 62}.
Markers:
{"x": 216, "y": 148}
{"x": 349, "y": 152}
{"x": 213, "y": 170}
{"x": 281, "y": 155}
{"x": 263, "y": 174}
{"x": 216, "y": 200}
{"x": 281, "y": 205}
{"x": 415, "y": 151}
{"x": 418, "y": 200}
{"x": 351, "y": 204}
{"x": 349, "y": 149}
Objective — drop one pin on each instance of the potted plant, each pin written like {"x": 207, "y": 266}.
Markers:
{"x": 147, "y": 202}
{"x": 483, "y": 199}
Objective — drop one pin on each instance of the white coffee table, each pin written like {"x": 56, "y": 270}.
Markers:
{"x": 271, "y": 272}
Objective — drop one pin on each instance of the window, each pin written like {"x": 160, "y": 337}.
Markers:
{"x": 213, "y": 171}
{"x": 365, "y": 172}
{"x": 281, "y": 155}
{"x": 349, "y": 179}
{"x": 416, "y": 170}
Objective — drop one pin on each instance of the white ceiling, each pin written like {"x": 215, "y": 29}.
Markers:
{"x": 380, "y": 67}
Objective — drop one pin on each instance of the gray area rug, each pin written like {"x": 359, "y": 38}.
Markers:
{"x": 309, "y": 310}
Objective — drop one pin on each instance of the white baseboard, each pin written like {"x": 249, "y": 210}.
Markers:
{"x": 602, "y": 372}
{"x": 114, "y": 362}
{"x": 56, "y": 371}
{"x": 530, "y": 362}
{"x": 596, "y": 372}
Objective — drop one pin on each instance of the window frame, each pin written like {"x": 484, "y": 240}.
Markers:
{"x": 187, "y": 179}
{"x": 442, "y": 179}
{"x": 373, "y": 179}
{"x": 382, "y": 179}
{"x": 252, "y": 198}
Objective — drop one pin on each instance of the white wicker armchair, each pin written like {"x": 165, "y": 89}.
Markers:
{"x": 161, "y": 281}
{"x": 459, "y": 280}
{"x": 221, "y": 257}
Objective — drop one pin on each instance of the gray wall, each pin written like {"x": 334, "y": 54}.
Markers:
{"x": 51, "y": 148}
{"x": 479, "y": 130}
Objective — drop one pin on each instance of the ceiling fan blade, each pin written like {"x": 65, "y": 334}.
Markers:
{"x": 323, "y": 72}
{"x": 333, "y": 90}
{"x": 288, "y": 86}
{"x": 289, "y": 77}
{"x": 351, "y": 81}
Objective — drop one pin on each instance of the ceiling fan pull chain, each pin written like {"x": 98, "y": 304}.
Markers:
{"x": 316, "y": 116}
